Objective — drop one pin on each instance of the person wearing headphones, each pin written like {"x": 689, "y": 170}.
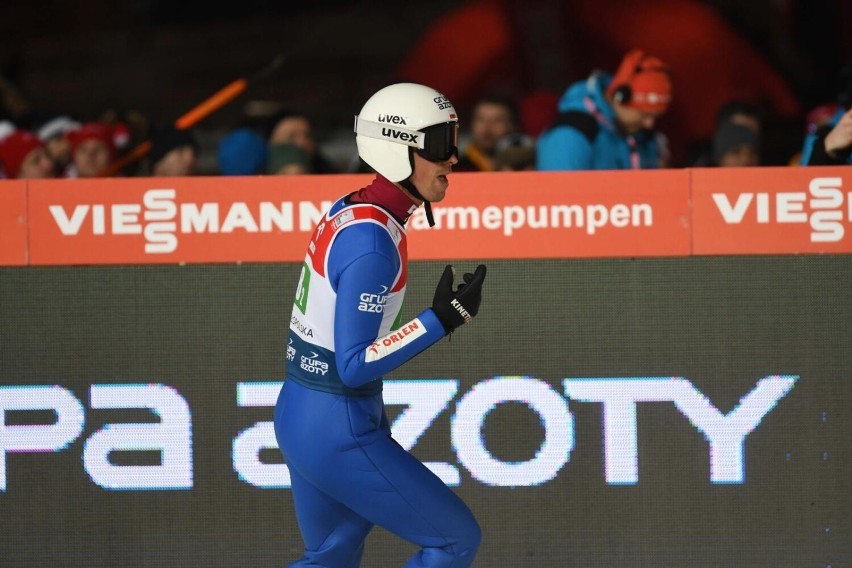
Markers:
{"x": 347, "y": 473}
{"x": 608, "y": 122}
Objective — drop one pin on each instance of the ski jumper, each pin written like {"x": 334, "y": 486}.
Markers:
{"x": 347, "y": 473}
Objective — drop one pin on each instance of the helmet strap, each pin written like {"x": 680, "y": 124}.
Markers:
{"x": 427, "y": 206}
{"x": 407, "y": 184}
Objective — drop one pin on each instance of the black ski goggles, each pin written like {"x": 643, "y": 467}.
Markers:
{"x": 436, "y": 143}
{"x": 440, "y": 142}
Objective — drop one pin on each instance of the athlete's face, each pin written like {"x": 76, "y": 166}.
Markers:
{"x": 430, "y": 178}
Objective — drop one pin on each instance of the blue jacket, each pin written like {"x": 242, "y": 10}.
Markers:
{"x": 598, "y": 145}
{"x": 814, "y": 154}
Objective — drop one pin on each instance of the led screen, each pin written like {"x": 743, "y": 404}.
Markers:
{"x": 623, "y": 413}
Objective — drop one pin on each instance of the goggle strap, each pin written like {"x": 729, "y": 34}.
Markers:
{"x": 390, "y": 133}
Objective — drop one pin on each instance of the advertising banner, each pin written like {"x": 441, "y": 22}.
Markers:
{"x": 501, "y": 215}
{"x": 269, "y": 219}
{"x": 178, "y": 220}
{"x": 626, "y": 413}
{"x": 13, "y": 223}
{"x": 554, "y": 215}
{"x": 772, "y": 210}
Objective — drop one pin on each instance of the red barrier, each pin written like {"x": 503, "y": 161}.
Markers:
{"x": 485, "y": 215}
{"x": 772, "y": 210}
{"x": 13, "y": 223}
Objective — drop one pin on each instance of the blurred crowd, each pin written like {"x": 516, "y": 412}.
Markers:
{"x": 607, "y": 121}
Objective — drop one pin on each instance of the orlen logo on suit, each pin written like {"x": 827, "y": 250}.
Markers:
{"x": 822, "y": 208}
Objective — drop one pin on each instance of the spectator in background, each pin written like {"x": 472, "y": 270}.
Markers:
{"x": 493, "y": 117}
{"x": 730, "y": 141}
{"x": 820, "y": 116}
{"x": 831, "y": 143}
{"x": 736, "y": 146}
{"x": 817, "y": 118}
{"x": 607, "y": 122}
{"x": 514, "y": 153}
{"x": 296, "y": 128}
{"x": 743, "y": 113}
{"x": 242, "y": 152}
{"x": 92, "y": 149}
{"x": 173, "y": 153}
{"x": 54, "y": 134}
{"x": 23, "y": 156}
{"x": 288, "y": 159}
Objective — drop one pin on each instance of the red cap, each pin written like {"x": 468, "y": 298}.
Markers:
{"x": 647, "y": 79}
{"x": 92, "y": 131}
{"x": 14, "y": 150}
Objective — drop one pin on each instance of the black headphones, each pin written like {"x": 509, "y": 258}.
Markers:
{"x": 622, "y": 94}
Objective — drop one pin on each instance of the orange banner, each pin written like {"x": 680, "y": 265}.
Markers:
{"x": 772, "y": 210}
{"x": 556, "y": 215}
{"x": 179, "y": 220}
{"x": 13, "y": 223}
{"x": 484, "y": 216}
{"x": 268, "y": 219}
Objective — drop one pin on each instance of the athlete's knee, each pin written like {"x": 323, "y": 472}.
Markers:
{"x": 463, "y": 532}
{"x": 461, "y": 550}
{"x": 459, "y": 554}
{"x": 469, "y": 539}
{"x": 342, "y": 549}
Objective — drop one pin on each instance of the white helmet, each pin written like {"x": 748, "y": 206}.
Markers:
{"x": 403, "y": 116}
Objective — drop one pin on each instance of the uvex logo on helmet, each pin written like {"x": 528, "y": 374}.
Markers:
{"x": 401, "y": 135}
{"x": 392, "y": 118}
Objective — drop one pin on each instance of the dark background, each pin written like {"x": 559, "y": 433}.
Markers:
{"x": 723, "y": 323}
{"x": 99, "y": 58}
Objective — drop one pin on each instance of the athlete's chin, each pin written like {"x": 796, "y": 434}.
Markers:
{"x": 439, "y": 188}
{"x": 438, "y": 195}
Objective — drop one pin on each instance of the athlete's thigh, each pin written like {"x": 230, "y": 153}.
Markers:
{"x": 342, "y": 447}
{"x": 397, "y": 492}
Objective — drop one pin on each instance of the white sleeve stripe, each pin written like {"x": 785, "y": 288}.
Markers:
{"x": 395, "y": 340}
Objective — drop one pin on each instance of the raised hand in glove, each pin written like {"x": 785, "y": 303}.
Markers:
{"x": 459, "y": 306}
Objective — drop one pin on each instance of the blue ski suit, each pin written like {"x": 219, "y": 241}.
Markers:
{"x": 347, "y": 473}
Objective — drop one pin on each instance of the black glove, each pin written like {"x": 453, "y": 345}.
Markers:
{"x": 459, "y": 306}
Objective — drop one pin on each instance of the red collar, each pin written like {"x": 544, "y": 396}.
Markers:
{"x": 388, "y": 195}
